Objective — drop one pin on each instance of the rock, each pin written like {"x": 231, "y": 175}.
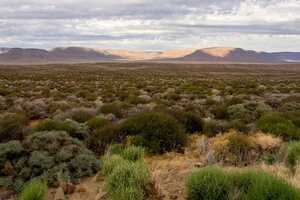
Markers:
{"x": 59, "y": 194}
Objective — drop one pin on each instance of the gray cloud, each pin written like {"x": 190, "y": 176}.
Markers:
{"x": 155, "y": 24}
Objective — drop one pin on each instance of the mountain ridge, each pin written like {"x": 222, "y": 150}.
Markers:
{"x": 83, "y": 54}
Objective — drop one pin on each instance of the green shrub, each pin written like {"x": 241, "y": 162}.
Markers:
{"x": 214, "y": 184}
{"x": 112, "y": 108}
{"x": 240, "y": 112}
{"x": 10, "y": 151}
{"x": 294, "y": 117}
{"x": 82, "y": 115}
{"x": 97, "y": 123}
{"x": 208, "y": 184}
{"x": 100, "y": 139}
{"x": 11, "y": 126}
{"x": 191, "y": 122}
{"x": 290, "y": 107}
{"x": 213, "y": 127}
{"x": 132, "y": 99}
{"x": 47, "y": 155}
{"x": 160, "y": 132}
{"x": 128, "y": 181}
{"x": 73, "y": 128}
{"x": 254, "y": 185}
{"x": 292, "y": 154}
{"x": 239, "y": 125}
{"x": 35, "y": 190}
{"x": 219, "y": 111}
{"x": 276, "y": 124}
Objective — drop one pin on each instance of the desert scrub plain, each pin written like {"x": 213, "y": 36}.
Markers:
{"x": 134, "y": 131}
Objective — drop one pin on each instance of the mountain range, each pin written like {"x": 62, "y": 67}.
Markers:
{"x": 81, "y": 54}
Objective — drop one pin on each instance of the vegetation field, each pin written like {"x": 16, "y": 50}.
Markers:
{"x": 134, "y": 131}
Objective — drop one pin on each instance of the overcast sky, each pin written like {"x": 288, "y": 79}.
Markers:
{"x": 264, "y": 25}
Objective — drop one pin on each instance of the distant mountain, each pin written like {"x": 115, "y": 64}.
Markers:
{"x": 221, "y": 54}
{"x": 69, "y": 54}
{"x": 81, "y": 54}
{"x": 149, "y": 55}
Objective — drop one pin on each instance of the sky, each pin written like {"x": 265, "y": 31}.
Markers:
{"x": 263, "y": 25}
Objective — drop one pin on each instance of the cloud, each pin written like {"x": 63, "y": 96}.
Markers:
{"x": 156, "y": 24}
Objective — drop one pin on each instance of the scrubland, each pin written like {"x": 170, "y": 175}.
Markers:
{"x": 134, "y": 131}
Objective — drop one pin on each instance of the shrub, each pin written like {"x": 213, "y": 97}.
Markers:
{"x": 127, "y": 181}
{"x": 234, "y": 148}
{"x": 294, "y": 117}
{"x": 47, "y": 155}
{"x": 219, "y": 111}
{"x": 292, "y": 154}
{"x": 73, "y": 128}
{"x": 97, "y": 123}
{"x": 11, "y": 126}
{"x": 160, "y": 132}
{"x": 112, "y": 108}
{"x": 35, "y": 190}
{"x": 191, "y": 122}
{"x": 262, "y": 108}
{"x": 239, "y": 125}
{"x": 276, "y": 124}
{"x": 208, "y": 184}
{"x": 213, "y": 127}
{"x": 254, "y": 185}
{"x": 36, "y": 109}
{"x": 82, "y": 115}
{"x": 214, "y": 184}
{"x": 240, "y": 112}
{"x": 100, "y": 139}
{"x": 10, "y": 151}
{"x": 290, "y": 107}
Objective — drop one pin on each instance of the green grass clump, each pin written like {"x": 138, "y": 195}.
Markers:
{"x": 278, "y": 125}
{"x": 215, "y": 184}
{"x": 293, "y": 154}
{"x": 208, "y": 184}
{"x": 109, "y": 163}
{"x": 126, "y": 173}
{"x": 255, "y": 185}
{"x": 35, "y": 190}
{"x": 133, "y": 153}
{"x": 127, "y": 181}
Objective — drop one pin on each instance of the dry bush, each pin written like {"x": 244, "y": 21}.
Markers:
{"x": 234, "y": 148}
